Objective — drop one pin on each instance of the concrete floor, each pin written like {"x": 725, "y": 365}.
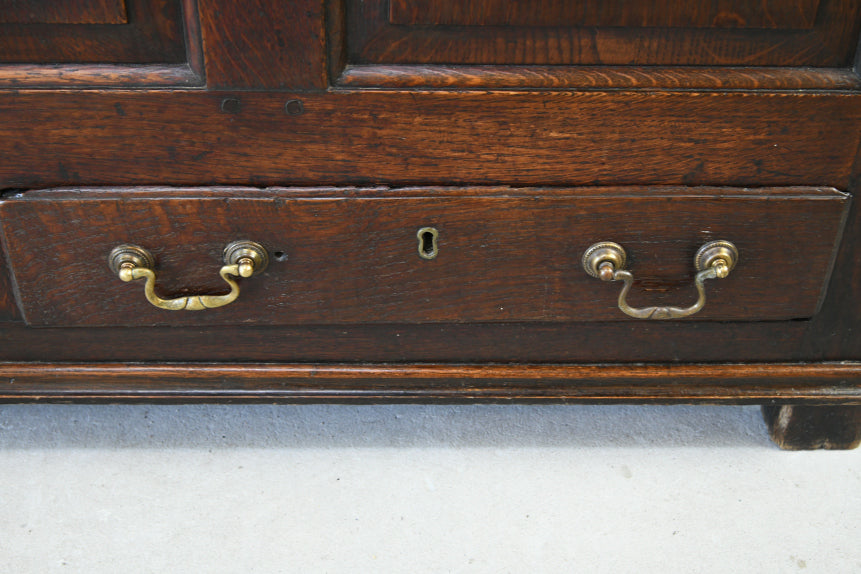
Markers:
{"x": 412, "y": 488}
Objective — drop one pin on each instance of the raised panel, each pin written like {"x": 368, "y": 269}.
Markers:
{"x": 63, "y": 12}
{"x": 776, "y": 14}
{"x": 264, "y": 44}
{"x": 76, "y": 32}
{"x": 717, "y": 33}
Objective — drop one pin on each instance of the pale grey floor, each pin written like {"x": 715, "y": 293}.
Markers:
{"x": 411, "y": 488}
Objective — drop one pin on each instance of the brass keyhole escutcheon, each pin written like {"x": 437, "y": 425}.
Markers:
{"x": 428, "y": 248}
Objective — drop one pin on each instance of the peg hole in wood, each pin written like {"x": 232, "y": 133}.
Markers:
{"x": 294, "y": 107}
{"x": 428, "y": 248}
{"x": 231, "y": 106}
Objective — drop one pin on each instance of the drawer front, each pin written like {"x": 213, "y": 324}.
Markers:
{"x": 345, "y": 256}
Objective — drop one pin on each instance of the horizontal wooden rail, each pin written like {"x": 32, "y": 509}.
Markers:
{"x": 779, "y": 383}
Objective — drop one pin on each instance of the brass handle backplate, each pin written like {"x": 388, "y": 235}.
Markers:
{"x": 606, "y": 261}
{"x": 241, "y": 259}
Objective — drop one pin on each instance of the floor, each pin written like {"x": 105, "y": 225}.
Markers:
{"x": 417, "y": 488}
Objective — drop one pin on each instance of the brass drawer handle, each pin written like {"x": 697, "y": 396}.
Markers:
{"x": 606, "y": 261}
{"x": 241, "y": 259}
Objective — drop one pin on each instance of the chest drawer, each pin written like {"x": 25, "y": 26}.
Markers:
{"x": 339, "y": 256}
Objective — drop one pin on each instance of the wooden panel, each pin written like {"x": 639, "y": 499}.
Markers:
{"x": 8, "y": 306}
{"x": 63, "y": 12}
{"x": 607, "y": 77}
{"x": 155, "y": 33}
{"x": 810, "y": 384}
{"x": 831, "y": 42}
{"x": 835, "y": 335}
{"x": 623, "y": 13}
{"x": 98, "y": 76}
{"x": 264, "y": 43}
{"x": 509, "y": 138}
{"x": 679, "y": 341}
{"x": 350, "y": 256}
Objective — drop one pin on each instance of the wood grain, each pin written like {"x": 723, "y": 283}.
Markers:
{"x": 744, "y": 383}
{"x": 264, "y": 44}
{"x": 622, "y": 341}
{"x": 98, "y": 76}
{"x": 155, "y": 34}
{"x": 8, "y": 304}
{"x": 835, "y": 333}
{"x": 509, "y": 138}
{"x": 795, "y": 14}
{"x": 831, "y": 42}
{"x": 592, "y": 78}
{"x": 506, "y": 100}
{"x": 63, "y": 12}
{"x": 351, "y": 256}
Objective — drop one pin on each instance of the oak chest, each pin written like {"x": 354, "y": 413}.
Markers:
{"x": 411, "y": 200}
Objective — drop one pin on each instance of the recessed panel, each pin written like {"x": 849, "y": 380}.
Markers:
{"x": 97, "y": 32}
{"x": 63, "y": 12}
{"x": 775, "y": 14}
{"x": 714, "y": 33}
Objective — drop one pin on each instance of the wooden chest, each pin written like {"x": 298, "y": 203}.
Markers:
{"x": 376, "y": 200}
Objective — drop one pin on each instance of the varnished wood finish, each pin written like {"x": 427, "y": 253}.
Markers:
{"x": 753, "y": 383}
{"x": 794, "y": 14}
{"x": 8, "y": 307}
{"x": 589, "y": 34}
{"x": 803, "y": 427}
{"x": 437, "y": 94}
{"x": 596, "y": 78}
{"x": 98, "y": 76}
{"x": 64, "y": 12}
{"x": 622, "y": 341}
{"x": 510, "y": 138}
{"x": 351, "y": 256}
{"x": 264, "y": 44}
{"x": 154, "y": 34}
{"x": 834, "y": 333}
{"x": 189, "y": 73}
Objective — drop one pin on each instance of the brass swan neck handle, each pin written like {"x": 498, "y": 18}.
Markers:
{"x": 606, "y": 261}
{"x": 241, "y": 259}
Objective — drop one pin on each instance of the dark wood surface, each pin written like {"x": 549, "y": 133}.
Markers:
{"x": 261, "y": 44}
{"x": 804, "y": 427}
{"x": 594, "y": 78}
{"x": 154, "y": 34}
{"x": 795, "y": 14}
{"x": 53, "y": 73}
{"x": 774, "y": 384}
{"x": 352, "y": 255}
{"x": 701, "y": 33}
{"x": 98, "y": 76}
{"x": 64, "y": 12}
{"x": 431, "y": 93}
{"x": 8, "y": 306}
{"x": 396, "y": 138}
{"x": 622, "y": 341}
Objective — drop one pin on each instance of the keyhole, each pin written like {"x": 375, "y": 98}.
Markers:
{"x": 428, "y": 242}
